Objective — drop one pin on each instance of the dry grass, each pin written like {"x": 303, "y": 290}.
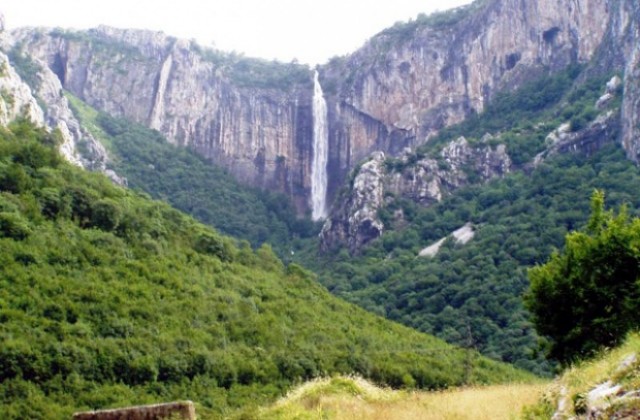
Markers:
{"x": 354, "y": 398}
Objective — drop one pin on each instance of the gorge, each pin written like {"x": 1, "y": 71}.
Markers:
{"x": 285, "y": 128}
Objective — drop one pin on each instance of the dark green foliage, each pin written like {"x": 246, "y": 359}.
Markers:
{"x": 471, "y": 295}
{"x": 110, "y": 299}
{"x": 13, "y": 225}
{"x": 588, "y": 295}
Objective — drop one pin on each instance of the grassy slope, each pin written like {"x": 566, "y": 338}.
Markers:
{"x": 355, "y": 398}
{"x": 108, "y": 298}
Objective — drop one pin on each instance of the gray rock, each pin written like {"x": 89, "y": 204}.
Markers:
{"x": 360, "y": 208}
{"x": 426, "y": 181}
{"x": 16, "y": 99}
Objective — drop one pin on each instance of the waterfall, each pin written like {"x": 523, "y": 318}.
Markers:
{"x": 320, "y": 153}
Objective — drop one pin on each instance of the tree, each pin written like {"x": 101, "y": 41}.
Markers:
{"x": 588, "y": 295}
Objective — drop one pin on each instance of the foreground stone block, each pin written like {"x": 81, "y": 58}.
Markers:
{"x": 183, "y": 410}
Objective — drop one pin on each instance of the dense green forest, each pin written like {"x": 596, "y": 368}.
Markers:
{"x": 108, "y": 298}
{"x": 471, "y": 295}
{"x": 188, "y": 182}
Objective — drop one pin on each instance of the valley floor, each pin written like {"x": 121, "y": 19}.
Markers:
{"x": 354, "y": 398}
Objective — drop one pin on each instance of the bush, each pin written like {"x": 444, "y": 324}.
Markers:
{"x": 13, "y": 225}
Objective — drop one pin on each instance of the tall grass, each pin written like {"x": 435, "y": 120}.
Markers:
{"x": 354, "y": 398}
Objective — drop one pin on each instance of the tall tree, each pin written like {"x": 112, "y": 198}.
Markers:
{"x": 588, "y": 295}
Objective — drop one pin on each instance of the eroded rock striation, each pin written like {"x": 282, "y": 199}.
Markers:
{"x": 42, "y": 102}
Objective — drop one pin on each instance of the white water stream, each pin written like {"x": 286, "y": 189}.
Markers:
{"x": 320, "y": 153}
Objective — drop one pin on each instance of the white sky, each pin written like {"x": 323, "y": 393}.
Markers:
{"x": 311, "y": 31}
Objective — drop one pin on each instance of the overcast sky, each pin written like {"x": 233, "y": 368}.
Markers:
{"x": 310, "y": 31}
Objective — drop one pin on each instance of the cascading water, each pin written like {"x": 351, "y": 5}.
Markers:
{"x": 320, "y": 153}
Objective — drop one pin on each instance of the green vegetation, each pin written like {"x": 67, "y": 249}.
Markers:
{"x": 403, "y": 31}
{"x": 191, "y": 184}
{"x": 588, "y": 295}
{"x": 471, "y": 295}
{"x": 108, "y": 298}
{"x": 257, "y": 72}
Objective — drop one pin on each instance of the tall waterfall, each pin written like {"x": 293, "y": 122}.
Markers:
{"x": 320, "y": 153}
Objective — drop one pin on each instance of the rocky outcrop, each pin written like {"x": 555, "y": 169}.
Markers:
{"x": 615, "y": 398}
{"x": 16, "y": 99}
{"x": 428, "y": 180}
{"x": 45, "y": 105}
{"x": 588, "y": 141}
{"x": 355, "y": 220}
{"x": 461, "y": 236}
{"x": 58, "y": 115}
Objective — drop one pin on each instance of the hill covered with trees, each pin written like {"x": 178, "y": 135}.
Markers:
{"x": 108, "y": 298}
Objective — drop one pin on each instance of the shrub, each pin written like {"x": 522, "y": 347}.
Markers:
{"x": 588, "y": 295}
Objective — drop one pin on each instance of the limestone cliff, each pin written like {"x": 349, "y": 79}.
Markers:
{"x": 629, "y": 32}
{"x": 411, "y": 80}
{"x": 258, "y": 125}
{"x": 397, "y": 91}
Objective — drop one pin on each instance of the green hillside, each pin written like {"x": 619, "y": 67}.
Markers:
{"x": 108, "y": 298}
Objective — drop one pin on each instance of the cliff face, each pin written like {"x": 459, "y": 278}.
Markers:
{"x": 16, "y": 98}
{"x": 413, "y": 79}
{"x": 263, "y": 135}
{"x": 627, "y": 28}
{"x": 399, "y": 89}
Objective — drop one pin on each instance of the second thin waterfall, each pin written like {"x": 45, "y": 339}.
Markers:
{"x": 320, "y": 153}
